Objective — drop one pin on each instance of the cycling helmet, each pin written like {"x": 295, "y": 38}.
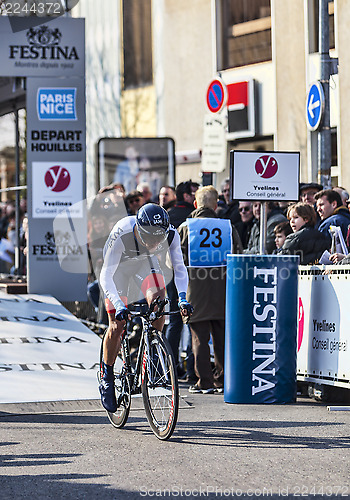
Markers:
{"x": 152, "y": 223}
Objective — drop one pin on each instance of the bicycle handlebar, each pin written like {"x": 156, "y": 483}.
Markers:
{"x": 151, "y": 314}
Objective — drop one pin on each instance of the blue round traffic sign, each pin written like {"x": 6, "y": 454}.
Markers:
{"x": 216, "y": 95}
{"x": 314, "y": 106}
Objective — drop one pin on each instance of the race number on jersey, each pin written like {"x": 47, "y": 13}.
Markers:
{"x": 209, "y": 242}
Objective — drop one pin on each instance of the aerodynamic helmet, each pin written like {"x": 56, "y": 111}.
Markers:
{"x": 152, "y": 222}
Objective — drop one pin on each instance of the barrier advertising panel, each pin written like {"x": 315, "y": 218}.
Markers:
{"x": 261, "y": 329}
{"x": 324, "y": 328}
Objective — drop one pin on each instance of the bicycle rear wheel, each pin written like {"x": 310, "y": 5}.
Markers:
{"x": 122, "y": 392}
{"x": 160, "y": 390}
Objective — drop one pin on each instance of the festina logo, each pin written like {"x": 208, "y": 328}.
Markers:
{"x": 43, "y": 43}
{"x": 58, "y": 244}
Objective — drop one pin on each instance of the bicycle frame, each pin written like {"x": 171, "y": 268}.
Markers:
{"x": 141, "y": 356}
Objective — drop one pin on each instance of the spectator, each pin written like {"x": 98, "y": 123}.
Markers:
{"x": 7, "y": 251}
{"x": 23, "y": 246}
{"x": 97, "y": 235}
{"x": 282, "y": 230}
{"x": 23, "y": 206}
{"x": 244, "y": 226}
{"x": 307, "y": 192}
{"x": 167, "y": 197}
{"x": 117, "y": 187}
{"x": 134, "y": 201}
{"x": 283, "y": 207}
{"x": 109, "y": 203}
{"x": 332, "y": 212}
{"x": 207, "y": 291}
{"x": 146, "y": 192}
{"x": 305, "y": 240}
{"x": 185, "y": 193}
{"x": 230, "y": 208}
{"x": 274, "y": 216}
{"x": 343, "y": 194}
{"x": 7, "y": 212}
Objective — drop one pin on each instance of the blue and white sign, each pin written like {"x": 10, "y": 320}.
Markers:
{"x": 209, "y": 242}
{"x": 56, "y": 104}
{"x": 315, "y": 106}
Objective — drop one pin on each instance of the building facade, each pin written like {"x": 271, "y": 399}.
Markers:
{"x": 163, "y": 54}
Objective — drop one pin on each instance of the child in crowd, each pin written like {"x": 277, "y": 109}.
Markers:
{"x": 282, "y": 230}
{"x": 305, "y": 240}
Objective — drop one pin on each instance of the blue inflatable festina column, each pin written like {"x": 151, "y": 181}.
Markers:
{"x": 261, "y": 329}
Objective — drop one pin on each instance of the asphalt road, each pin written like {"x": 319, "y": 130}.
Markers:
{"x": 69, "y": 450}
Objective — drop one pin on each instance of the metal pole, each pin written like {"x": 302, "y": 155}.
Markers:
{"x": 324, "y": 135}
{"x": 17, "y": 159}
{"x": 263, "y": 227}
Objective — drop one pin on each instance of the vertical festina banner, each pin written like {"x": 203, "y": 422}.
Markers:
{"x": 261, "y": 329}
{"x": 51, "y": 56}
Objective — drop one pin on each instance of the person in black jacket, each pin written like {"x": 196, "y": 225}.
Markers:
{"x": 178, "y": 213}
{"x": 185, "y": 193}
{"x": 228, "y": 209}
{"x": 305, "y": 240}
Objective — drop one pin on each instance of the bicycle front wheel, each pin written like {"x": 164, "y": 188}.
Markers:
{"x": 122, "y": 392}
{"x": 160, "y": 390}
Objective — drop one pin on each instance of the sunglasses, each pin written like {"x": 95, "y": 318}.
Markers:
{"x": 244, "y": 209}
{"x": 135, "y": 200}
{"x": 226, "y": 190}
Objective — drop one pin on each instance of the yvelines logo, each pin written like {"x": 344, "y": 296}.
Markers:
{"x": 43, "y": 44}
{"x": 266, "y": 166}
{"x": 57, "y": 178}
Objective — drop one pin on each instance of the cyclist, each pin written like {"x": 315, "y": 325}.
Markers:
{"x": 135, "y": 253}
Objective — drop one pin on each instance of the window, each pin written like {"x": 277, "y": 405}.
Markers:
{"x": 137, "y": 43}
{"x": 314, "y": 41}
{"x": 245, "y": 31}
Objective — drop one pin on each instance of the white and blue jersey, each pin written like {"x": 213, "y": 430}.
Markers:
{"x": 126, "y": 260}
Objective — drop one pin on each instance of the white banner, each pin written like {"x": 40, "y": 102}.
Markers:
{"x": 46, "y": 354}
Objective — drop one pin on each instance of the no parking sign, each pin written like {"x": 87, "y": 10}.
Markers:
{"x": 216, "y": 95}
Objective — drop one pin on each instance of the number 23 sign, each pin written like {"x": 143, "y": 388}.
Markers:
{"x": 209, "y": 242}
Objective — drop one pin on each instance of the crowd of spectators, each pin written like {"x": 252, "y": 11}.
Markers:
{"x": 297, "y": 228}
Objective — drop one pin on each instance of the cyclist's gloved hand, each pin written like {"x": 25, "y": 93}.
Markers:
{"x": 185, "y": 307}
{"x": 122, "y": 314}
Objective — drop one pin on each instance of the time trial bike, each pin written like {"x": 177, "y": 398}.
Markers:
{"x": 153, "y": 375}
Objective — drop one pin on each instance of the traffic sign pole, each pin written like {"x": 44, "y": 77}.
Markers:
{"x": 324, "y": 136}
